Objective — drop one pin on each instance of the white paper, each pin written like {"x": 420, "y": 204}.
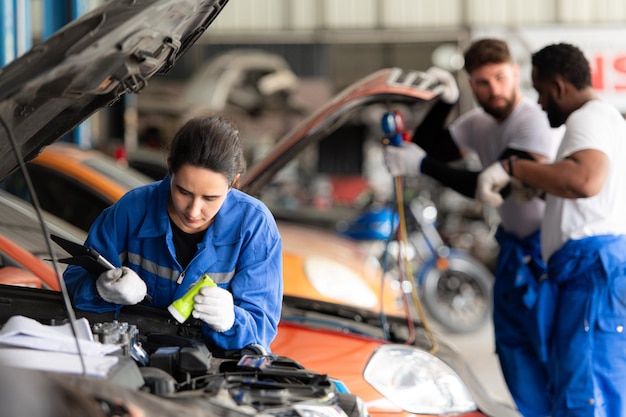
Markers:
{"x": 97, "y": 366}
{"x": 20, "y": 331}
{"x": 26, "y": 343}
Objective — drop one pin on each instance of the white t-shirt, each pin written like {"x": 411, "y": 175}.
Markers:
{"x": 526, "y": 129}
{"x": 596, "y": 125}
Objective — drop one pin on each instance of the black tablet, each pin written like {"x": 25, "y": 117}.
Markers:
{"x": 88, "y": 258}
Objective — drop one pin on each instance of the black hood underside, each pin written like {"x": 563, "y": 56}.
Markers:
{"x": 89, "y": 64}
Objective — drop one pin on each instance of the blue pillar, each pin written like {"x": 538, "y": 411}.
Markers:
{"x": 16, "y": 29}
{"x": 24, "y": 37}
{"x": 80, "y": 7}
{"x": 7, "y": 20}
{"x": 58, "y": 13}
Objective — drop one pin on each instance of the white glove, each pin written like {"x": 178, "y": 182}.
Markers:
{"x": 214, "y": 306}
{"x": 490, "y": 182}
{"x": 523, "y": 193}
{"x": 450, "y": 89}
{"x": 121, "y": 286}
{"x": 404, "y": 160}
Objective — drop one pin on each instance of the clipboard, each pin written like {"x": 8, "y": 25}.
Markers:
{"x": 88, "y": 258}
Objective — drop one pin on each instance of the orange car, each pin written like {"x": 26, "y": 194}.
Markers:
{"x": 77, "y": 184}
{"x": 394, "y": 363}
{"x": 15, "y": 261}
{"x": 332, "y": 319}
{"x": 136, "y": 361}
{"x": 22, "y": 243}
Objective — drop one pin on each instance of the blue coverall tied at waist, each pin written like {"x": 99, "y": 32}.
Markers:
{"x": 581, "y": 310}
{"x": 519, "y": 269}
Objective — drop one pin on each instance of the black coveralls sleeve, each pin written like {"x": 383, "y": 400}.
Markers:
{"x": 434, "y": 137}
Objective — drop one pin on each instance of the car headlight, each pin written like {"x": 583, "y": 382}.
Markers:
{"x": 417, "y": 381}
{"x": 337, "y": 281}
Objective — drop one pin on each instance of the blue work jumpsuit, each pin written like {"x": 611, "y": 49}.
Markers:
{"x": 518, "y": 272}
{"x": 582, "y": 317}
{"x": 241, "y": 251}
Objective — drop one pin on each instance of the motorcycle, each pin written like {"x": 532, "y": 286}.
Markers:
{"x": 453, "y": 286}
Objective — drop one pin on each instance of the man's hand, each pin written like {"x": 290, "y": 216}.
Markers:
{"x": 450, "y": 92}
{"x": 523, "y": 193}
{"x": 404, "y": 160}
{"x": 490, "y": 182}
{"x": 214, "y": 306}
{"x": 121, "y": 286}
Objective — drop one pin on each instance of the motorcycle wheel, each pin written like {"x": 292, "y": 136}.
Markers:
{"x": 457, "y": 295}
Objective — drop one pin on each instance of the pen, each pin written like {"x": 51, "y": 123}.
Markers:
{"x": 108, "y": 265}
{"x": 104, "y": 262}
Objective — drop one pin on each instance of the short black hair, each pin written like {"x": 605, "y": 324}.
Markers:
{"x": 563, "y": 59}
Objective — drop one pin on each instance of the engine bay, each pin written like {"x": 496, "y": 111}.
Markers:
{"x": 159, "y": 359}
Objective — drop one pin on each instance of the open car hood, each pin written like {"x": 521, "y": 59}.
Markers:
{"x": 90, "y": 63}
{"x": 386, "y": 86}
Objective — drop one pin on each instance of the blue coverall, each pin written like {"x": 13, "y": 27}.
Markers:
{"x": 515, "y": 290}
{"x": 241, "y": 251}
{"x": 582, "y": 316}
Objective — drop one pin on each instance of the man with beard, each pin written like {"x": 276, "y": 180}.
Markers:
{"x": 506, "y": 125}
{"x": 582, "y": 302}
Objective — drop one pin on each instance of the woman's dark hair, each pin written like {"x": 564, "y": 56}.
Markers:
{"x": 565, "y": 60}
{"x": 210, "y": 142}
{"x": 486, "y": 51}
